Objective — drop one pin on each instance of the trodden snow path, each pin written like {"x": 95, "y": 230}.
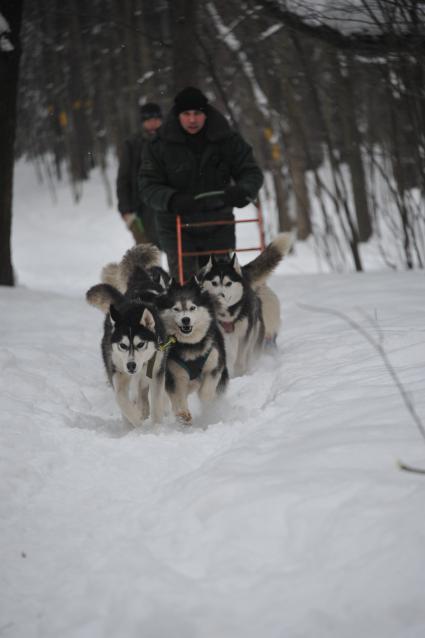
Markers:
{"x": 280, "y": 513}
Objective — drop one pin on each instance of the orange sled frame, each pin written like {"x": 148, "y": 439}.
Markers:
{"x": 222, "y": 251}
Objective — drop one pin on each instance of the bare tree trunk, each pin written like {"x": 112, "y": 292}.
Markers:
{"x": 10, "y": 53}
{"x": 353, "y": 149}
{"x": 297, "y": 169}
{"x": 185, "y": 48}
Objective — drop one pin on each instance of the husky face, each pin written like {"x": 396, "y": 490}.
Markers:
{"x": 188, "y": 312}
{"x": 223, "y": 279}
{"x": 132, "y": 338}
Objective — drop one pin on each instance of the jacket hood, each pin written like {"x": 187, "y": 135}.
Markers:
{"x": 217, "y": 127}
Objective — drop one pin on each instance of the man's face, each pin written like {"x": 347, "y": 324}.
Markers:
{"x": 192, "y": 121}
{"x": 151, "y": 125}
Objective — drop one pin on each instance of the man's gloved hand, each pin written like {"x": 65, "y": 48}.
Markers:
{"x": 128, "y": 218}
{"x": 182, "y": 203}
{"x": 135, "y": 226}
{"x": 236, "y": 196}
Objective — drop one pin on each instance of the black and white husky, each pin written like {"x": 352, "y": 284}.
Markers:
{"x": 197, "y": 361}
{"x": 250, "y": 311}
{"x": 134, "y": 342}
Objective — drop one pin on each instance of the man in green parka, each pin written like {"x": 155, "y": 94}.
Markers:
{"x": 196, "y": 152}
{"x": 137, "y": 217}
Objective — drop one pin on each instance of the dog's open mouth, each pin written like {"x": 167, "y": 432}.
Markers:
{"x": 186, "y": 329}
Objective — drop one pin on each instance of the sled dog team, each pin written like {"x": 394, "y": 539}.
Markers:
{"x": 163, "y": 340}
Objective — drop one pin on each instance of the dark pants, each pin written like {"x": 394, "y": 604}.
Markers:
{"x": 196, "y": 240}
{"x": 150, "y": 230}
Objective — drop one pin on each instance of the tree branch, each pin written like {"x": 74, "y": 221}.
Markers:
{"x": 359, "y": 42}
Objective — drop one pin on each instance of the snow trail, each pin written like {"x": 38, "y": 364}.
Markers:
{"x": 281, "y": 512}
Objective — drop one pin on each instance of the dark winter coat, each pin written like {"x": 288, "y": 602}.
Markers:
{"x": 129, "y": 200}
{"x": 169, "y": 164}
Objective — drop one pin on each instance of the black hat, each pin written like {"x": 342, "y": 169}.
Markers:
{"x": 150, "y": 110}
{"x": 190, "y": 99}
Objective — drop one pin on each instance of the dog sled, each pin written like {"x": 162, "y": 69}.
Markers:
{"x": 180, "y": 225}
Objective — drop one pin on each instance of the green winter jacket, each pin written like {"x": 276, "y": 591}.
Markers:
{"x": 169, "y": 165}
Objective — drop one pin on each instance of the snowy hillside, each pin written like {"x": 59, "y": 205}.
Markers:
{"x": 280, "y": 514}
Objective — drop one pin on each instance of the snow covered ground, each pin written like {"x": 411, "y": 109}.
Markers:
{"x": 280, "y": 514}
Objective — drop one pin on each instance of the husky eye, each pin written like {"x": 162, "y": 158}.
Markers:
{"x": 123, "y": 346}
{"x": 229, "y": 283}
{"x": 175, "y": 309}
{"x": 140, "y": 345}
{"x": 214, "y": 283}
{"x": 192, "y": 308}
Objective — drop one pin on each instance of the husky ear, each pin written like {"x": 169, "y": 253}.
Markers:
{"x": 236, "y": 265}
{"x": 200, "y": 275}
{"x": 209, "y": 265}
{"x": 147, "y": 320}
{"x": 173, "y": 285}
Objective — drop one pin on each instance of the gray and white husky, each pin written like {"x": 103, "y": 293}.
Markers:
{"x": 250, "y": 311}
{"x": 197, "y": 361}
{"x": 133, "y": 343}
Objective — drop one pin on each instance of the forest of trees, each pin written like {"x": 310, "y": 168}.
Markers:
{"x": 333, "y": 103}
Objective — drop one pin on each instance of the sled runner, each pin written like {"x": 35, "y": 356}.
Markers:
{"x": 181, "y": 254}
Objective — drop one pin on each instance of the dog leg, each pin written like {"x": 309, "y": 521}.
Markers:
{"x": 177, "y": 386}
{"x": 241, "y": 364}
{"x": 208, "y": 389}
{"x": 157, "y": 397}
{"x": 129, "y": 409}
{"x": 231, "y": 346}
{"x": 143, "y": 401}
{"x": 180, "y": 406}
{"x": 270, "y": 308}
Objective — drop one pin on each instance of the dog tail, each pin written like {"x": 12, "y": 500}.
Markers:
{"x": 143, "y": 256}
{"x": 260, "y": 268}
{"x": 102, "y": 296}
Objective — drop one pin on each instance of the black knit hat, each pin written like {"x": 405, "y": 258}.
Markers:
{"x": 150, "y": 110}
{"x": 190, "y": 99}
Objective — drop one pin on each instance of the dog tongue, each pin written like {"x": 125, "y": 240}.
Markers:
{"x": 228, "y": 326}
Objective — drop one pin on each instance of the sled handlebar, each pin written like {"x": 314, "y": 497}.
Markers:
{"x": 218, "y": 193}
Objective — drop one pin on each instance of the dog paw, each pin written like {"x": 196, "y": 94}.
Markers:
{"x": 184, "y": 417}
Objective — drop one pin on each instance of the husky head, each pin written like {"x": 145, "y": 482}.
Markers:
{"x": 133, "y": 336}
{"x": 160, "y": 277}
{"x": 223, "y": 279}
{"x": 187, "y": 311}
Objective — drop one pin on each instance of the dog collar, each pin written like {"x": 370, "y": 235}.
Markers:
{"x": 171, "y": 340}
{"x": 228, "y": 326}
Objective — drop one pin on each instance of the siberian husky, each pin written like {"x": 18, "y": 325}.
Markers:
{"x": 141, "y": 265}
{"x": 134, "y": 345}
{"x": 250, "y": 311}
{"x": 197, "y": 361}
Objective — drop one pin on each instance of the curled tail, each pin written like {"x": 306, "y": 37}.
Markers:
{"x": 110, "y": 275}
{"x": 143, "y": 256}
{"x": 102, "y": 296}
{"x": 260, "y": 268}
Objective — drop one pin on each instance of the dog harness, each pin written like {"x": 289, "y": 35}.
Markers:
{"x": 161, "y": 347}
{"x": 193, "y": 367}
